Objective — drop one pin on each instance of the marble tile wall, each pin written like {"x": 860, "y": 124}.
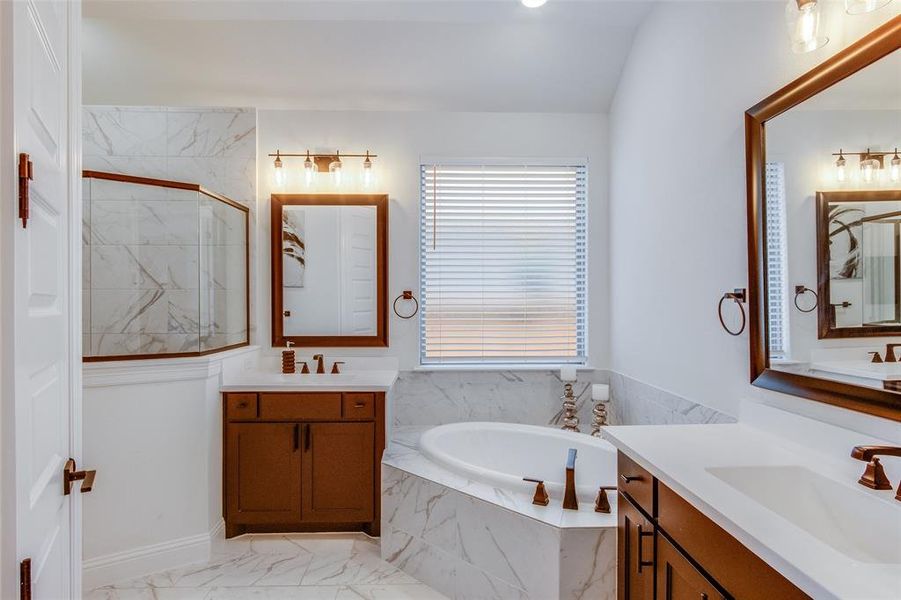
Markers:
{"x": 423, "y": 398}
{"x": 164, "y": 268}
{"x": 467, "y": 548}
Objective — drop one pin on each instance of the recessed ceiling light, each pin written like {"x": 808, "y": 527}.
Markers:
{"x": 533, "y": 3}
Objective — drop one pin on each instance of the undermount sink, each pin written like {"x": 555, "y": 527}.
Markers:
{"x": 852, "y": 522}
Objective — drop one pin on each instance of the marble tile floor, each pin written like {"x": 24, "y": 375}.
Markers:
{"x": 280, "y": 567}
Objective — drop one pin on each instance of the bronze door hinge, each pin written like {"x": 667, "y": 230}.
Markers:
{"x": 26, "y": 174}
{"x": 25, "y": 579}
{"x": 70, "y": 475}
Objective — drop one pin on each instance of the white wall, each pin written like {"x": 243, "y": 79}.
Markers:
{"x": 401, "y": 139}
{"x": 677, "y": 219}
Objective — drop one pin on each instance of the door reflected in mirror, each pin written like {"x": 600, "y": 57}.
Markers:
{"x": 329, "y": 257}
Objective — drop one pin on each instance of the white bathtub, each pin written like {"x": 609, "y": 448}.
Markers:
{"x": 501, "y": 454}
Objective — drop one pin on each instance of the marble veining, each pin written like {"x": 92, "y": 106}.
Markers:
{"x": 161, "y": 264}
{"x": 275, "y": 566}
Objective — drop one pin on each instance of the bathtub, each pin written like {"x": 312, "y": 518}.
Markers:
{"x": 501, "y": 454}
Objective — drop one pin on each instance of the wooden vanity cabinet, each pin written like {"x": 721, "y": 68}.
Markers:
{"x": 302, "y": 461}
{"x": 669, "y": 550}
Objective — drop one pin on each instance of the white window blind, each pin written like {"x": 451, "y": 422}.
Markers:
{"x": 777, "y": 271}
{"x": 502, "y": 264}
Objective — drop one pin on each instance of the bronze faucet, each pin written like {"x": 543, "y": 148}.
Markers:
{"x": 874, "y": 475}
{"x": 890, "y": 352}
{"x": 320, "y": 368}
{"x": 570, "y": 502}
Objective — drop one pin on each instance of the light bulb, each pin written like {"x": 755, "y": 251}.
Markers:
{"x": 803, "y": 21}
{"x": 335, "y": 168}
{"x": 895, "y": 169}
{"x": 279, "y": 170}
{"x": 533, "y": 3}
{"x": 840, "y": 173}
{"x": 859, "y": 7}
{"x": 308, "y": 170}
{"x": 367, "y": 171}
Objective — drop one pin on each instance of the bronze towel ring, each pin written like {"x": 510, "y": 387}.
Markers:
{"x": 800, "y": 290}
{"x": 406, "y": 295}
{"x": 740, "y": 296}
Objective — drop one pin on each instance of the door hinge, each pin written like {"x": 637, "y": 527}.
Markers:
{"x": 26, "y": 174}
{"x": 25, "y": 579}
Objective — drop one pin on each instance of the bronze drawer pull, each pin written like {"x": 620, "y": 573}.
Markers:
{"x": 307, "y": 437}
{"x": 641, "y": 536}
{"x": 630, "y": 478}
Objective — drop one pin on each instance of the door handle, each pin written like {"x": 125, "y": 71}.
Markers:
{"x": 642, "y": 562}
{"x": 70, "y": 475}
{"x": 296, "y": 436}
{"x": 307, "y": 437}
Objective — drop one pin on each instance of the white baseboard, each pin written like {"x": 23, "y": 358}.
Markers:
{"x": 130, "y": 564}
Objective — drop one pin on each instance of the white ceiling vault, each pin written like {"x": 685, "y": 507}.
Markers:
{"x": 443, "y": 55}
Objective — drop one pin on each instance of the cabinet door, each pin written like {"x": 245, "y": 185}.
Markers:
{"x": 262, "y": 470}
{"x": 635, "y": 553}
{"x": 678, "y": 579}
{"x": 338, "y": 472}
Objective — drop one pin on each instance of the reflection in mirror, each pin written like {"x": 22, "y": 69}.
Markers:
{"x": 329, "y": 270}
{"x": 833, "y": 231}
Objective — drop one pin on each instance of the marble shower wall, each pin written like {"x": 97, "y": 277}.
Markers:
{"x": 165, "y": 270}
{"x": 422, "y": 398}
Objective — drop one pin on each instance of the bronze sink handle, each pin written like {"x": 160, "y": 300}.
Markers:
{"x": 540, "y": 498}
{"x": 601, "y": 503}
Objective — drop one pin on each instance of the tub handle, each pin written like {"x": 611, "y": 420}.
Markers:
{"x": 540, "y": 498}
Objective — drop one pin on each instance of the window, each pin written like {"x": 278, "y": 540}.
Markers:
{"x": 503, "y": 264}
{"x": 777, "y": 271}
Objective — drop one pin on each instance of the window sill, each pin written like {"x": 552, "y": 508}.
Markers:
{"x": 503, "y": 367}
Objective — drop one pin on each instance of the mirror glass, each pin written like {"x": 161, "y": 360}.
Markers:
{"x": 833, "y": 231}
{"x": 329, "y": 262}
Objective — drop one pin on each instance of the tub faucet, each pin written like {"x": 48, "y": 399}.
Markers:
{"x": 569, "y": 495}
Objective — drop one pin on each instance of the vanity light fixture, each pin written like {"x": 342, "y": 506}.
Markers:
{"x": 308, "y": 169}
{"x": 335, "y": 167}
{"x": 367, "y": 171}
{"x": 322, "y": 163}
{"x": 279, "y": 170}
{"x": 895, "y": 170}
{"x": 840, "y": 173}
{"x": 533, "y": 3}
{"x": 859, "y": 7}
{"x": 802, "y": 17}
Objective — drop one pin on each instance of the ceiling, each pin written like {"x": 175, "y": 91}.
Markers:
{"x": 445, "y": 55}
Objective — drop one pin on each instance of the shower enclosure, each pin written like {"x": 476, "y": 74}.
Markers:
{"x": 165, "y": 269}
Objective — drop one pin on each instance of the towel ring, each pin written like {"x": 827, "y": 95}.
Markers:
{"x": 800, "y": 290}
{"x": 406, "y": 295}
{"x": 740, "y": 296}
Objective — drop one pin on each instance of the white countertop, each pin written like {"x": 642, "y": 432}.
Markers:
{"x": 353, "y": 381}
{"x": 680, "y": 456}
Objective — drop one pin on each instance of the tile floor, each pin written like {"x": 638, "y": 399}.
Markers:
{"x": 277, "y": 567}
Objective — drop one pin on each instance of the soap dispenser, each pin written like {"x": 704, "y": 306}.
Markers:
{"x": 288, "y": 359}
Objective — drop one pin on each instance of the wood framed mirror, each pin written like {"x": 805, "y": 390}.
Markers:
{"x": 329, "y": 270}
{"x": 858, "y": 263}
{"x": 791, "y": 141}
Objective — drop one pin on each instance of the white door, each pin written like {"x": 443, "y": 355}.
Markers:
{"x": 43, "y": 339}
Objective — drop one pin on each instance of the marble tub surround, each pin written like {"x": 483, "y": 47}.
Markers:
{"x": 531, "y": 397}
{"x": 837, "y": 543}
{"x": 274, "y": 566}
{"x": 468, "y": 548}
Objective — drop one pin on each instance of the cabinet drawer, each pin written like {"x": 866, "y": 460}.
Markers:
{"x": 290, "y": 407}
{"x": 359, "y": 406}
{"x": 637, "y": 483}
{"x": 240, "y": 406}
